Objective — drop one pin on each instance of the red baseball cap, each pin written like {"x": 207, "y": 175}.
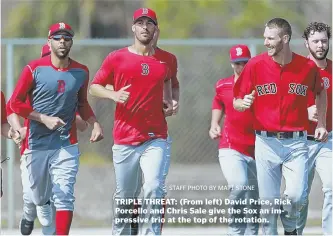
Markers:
{"x": 60, "y": 27}
{"x": 45, "y": 50}
{"x": 141, "y": 12}
{"x": 239, "y": 53}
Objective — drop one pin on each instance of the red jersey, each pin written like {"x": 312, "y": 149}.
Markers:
{"x": 172, "y": 63}
{"x": 326, "y": 78}
{"x": 237, "y": 132}
{"x": 53, "y": 92}
{"x": 281, "y": 91}
{"x": 3, "y": 109}
{"x": 141, "y": 118}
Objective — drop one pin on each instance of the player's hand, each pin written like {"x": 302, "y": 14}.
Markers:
{"x": 313, "y": 113}
{"x": 18, "y": 136}
{"x": 96, "y": 133}
{"x": 248, "y": 100}
{"x": 167, "y": 108}
{"x": 121, "y": 95}
{"x": 175, "y": 107}
{"x": 321, "y": 134}
{"x": 52, "y": 123}
{"x": 215, "y": 131}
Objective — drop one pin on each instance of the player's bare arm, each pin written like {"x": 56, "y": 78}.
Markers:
{"x": 97, "y": 132}
{"x": 109, "y": 87}
{"x": 167, "y": 98}
{"x": 245, "y": 103}
{"x": 88, "y": 115}
{"x": 321, "y": 104}
{"x": 175, "y": 87}
{"x": 19, "y": 130}
{"x": 313, "y": 113}
{"x": 8, "y": 132}
{"x": 215, "y": 128}
{"x": 80, "y": 123}
{"x": 175, "y": 100}
{"x": 120, "y": 96}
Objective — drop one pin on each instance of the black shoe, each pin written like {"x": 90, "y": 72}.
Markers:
{"x": 26, "y": 226}
{"x": 290, "y": 233}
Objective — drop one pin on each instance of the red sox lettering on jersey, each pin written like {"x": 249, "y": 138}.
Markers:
{"x": 271, "y": 88}
{"x": 281, "y": 91}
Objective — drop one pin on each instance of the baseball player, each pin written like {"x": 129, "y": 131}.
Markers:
{"x": 171, "y": 61}
{"x": 276, "y": 85}
{"x": 6, "y": 130}
{"x": 142, "y": 91}
{"x": 236, "y": 147}
{"x": 45, "y": 213}
{"x": 317, "y": 36}
{"x": 56, "y": 86}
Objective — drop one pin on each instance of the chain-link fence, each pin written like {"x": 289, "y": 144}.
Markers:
{"x": 200, "y": 64}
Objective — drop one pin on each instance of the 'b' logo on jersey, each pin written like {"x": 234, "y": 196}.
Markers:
{"x": 145, "y": 69}
{"x": 61, "y": 86}
{"x": 326, "y": 82}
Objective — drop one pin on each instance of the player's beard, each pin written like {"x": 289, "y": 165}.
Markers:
{"x": 61, "y": 54}
{"x": 321, "y": 57}
{"x": 276, "y": 49}
{"x": 145, "y": 40}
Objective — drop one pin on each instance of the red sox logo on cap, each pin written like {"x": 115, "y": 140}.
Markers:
{"x": 239, "y": 51}
{"x": 60, "y": 27}
{"x": 146, "y": 12}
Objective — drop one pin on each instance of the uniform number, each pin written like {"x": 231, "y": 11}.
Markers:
{"x": 145, "y": 69}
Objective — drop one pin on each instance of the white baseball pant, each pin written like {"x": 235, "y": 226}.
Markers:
{"x": 52, "y": 173}
{"x": 276, "y": 158}
{"x": 130, "y": 162}
{"x": 29, "y": 208}
{"x": 231, "y": 162}
{"x": 320, "y": 159}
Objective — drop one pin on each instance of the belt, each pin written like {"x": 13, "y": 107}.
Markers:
{"x": 281, "y": 135}
{"x": 312, "y": 138}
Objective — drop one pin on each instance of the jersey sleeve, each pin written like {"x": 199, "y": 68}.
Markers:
{"x": 21, "y": 91}
{"x": 317, "y": 85}
{"x": 245, "y": 83}
{"x": 105, "y": 73}
{"x": 174, "y": 71}
{"x": 9, "y": 109}
{"x": 3, "y": 109}
{"x": 84, "y": 109}
{"x": 217, "y": 103}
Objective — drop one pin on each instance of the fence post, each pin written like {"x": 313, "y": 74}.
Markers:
{"x": 10, "y": 143}
{"x": 253, "y": 49}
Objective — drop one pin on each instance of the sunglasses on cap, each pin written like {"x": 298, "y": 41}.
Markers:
{"x": 57, "y": 37}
